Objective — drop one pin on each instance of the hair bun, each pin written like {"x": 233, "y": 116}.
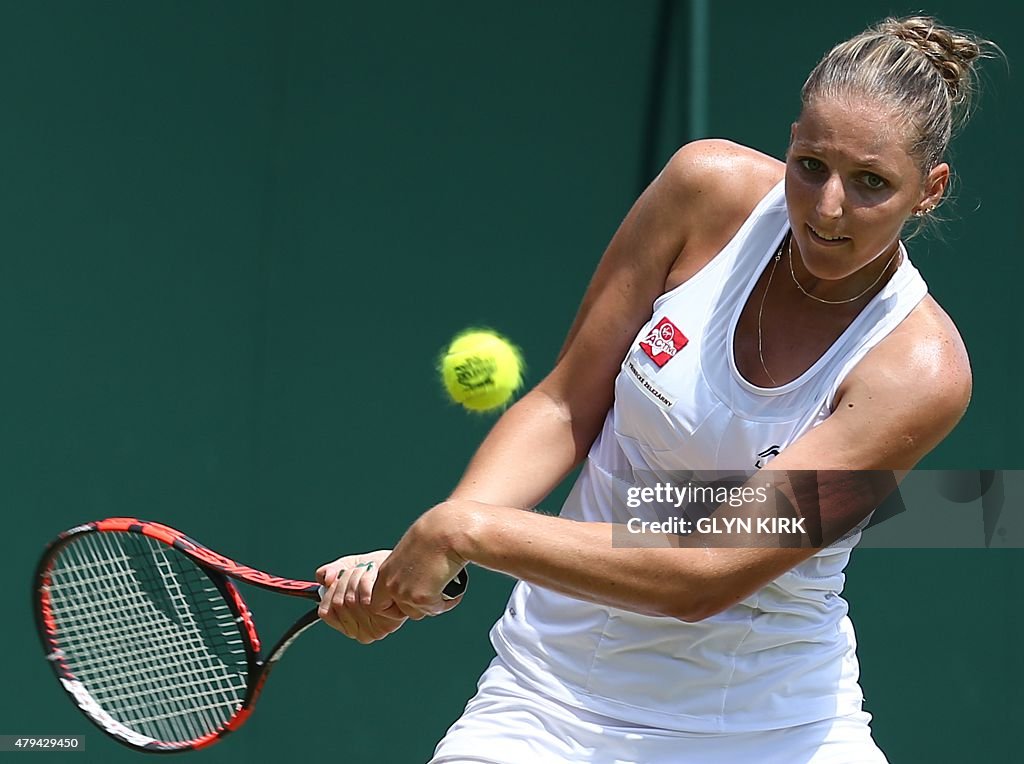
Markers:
{"x": 951, "y": 51}
{"x": 920, "y": 69}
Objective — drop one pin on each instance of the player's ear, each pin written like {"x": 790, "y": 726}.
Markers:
{"x": 935, "y": 184}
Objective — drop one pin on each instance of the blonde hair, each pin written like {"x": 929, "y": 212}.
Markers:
{"x": 924, "y": 70}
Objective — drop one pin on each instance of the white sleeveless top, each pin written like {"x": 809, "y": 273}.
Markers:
{"x": 786, "y": 654}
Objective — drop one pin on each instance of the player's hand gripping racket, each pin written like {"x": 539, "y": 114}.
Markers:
{"x": 151, "y": 639}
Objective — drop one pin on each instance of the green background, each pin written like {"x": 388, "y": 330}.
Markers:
{"x": 235, "y": 236}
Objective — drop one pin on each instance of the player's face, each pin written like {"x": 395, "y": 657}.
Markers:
{"x": 851, "y": 184}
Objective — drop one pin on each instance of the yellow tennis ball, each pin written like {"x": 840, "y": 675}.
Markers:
{"x": 481, "y": 369}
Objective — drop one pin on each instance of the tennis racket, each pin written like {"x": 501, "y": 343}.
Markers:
{"x": 149, "y": 636}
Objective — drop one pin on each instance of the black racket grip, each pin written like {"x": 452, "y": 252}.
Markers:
{"x": 457, "y": 586}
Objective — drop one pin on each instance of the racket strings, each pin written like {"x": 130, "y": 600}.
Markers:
{"x": 163, "y": 701}
{"x": 166, "y": 707}
{"x": 162, "y": 696}
{"x": 149, "y": 635}
{"x": 184, "y": 690}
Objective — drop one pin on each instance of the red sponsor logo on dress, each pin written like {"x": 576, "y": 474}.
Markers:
{"x": 663, "y": 342}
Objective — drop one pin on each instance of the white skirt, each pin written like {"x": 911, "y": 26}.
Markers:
{"x": 508, "y": 723}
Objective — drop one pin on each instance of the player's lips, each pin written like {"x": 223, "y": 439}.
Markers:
{"x": 826, "y": 240}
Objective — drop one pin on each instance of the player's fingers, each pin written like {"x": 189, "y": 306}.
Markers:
{"x": 352, "y": 577}
{"x": 365, "y": 626}
{"x": 382, "y": 603}
{"x": 393, "y": 609}
{"x": 326, "y": 574}
{"x": 326, "y": 609}
{"x": 358, "y": 590}
{"x": 380, "y": 598}
{"x": 373, "y": 627}
{"x": 357, "y": 595}
{"x": 364, "y": 586}
{"x": 334, "y": 611}
{"x": 343, "y": 602}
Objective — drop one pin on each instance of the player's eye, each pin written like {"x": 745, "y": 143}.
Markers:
{"x": 811, "y": 164}
{"x": 873, "y": 181}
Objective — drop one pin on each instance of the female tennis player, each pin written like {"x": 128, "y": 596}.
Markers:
{"x": 788, "y": 324}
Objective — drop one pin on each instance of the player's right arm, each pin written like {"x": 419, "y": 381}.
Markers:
{"x": 687, "y": 214}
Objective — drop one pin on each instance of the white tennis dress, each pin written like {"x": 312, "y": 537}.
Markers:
{"x": 781, "y": 661}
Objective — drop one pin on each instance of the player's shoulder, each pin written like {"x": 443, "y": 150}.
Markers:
{"x": 924, "y": 362}
{"x": 720, "y": 177}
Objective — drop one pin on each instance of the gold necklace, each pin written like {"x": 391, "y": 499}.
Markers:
{"x": 835, "y": 302}
{"x": 787, "y": 242}
{"x": 760, "y": 311}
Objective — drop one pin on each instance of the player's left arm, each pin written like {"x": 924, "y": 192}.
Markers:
{"x": 896, "y": 406}
{"x": 900, "y": 401}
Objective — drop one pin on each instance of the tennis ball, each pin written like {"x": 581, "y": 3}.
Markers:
{"x": 481, "y": 369}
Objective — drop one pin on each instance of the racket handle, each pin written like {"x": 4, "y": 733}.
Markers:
{"x": 457, "y": 586}
{"x": 454, "y": 588}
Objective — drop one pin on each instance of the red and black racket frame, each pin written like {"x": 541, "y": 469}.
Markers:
{"x": 218, "y": 568}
